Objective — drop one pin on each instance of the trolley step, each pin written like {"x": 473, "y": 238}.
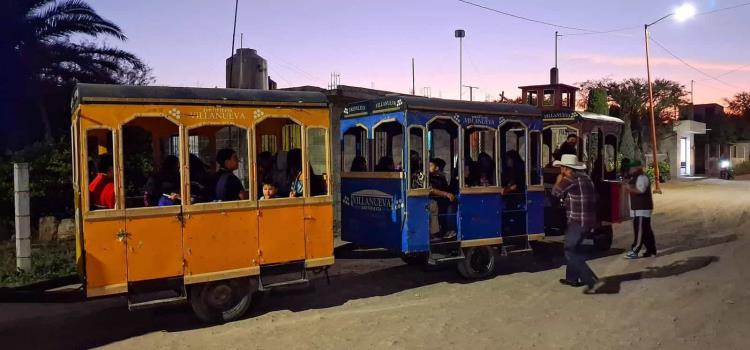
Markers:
{"x": 299, "y": 282}
{"x": 515, "y": 244}
{"x": 156, "y": 302}
{"x": 445, "y": 258}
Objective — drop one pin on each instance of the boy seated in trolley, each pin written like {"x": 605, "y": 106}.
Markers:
{"x": 441, "y": 206}
{"x": 269, "y": 190}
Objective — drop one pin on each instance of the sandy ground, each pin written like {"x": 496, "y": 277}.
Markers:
{"x": 695, "y": 295}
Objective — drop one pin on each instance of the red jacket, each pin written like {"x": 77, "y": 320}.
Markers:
{"x": 102, "y": 191}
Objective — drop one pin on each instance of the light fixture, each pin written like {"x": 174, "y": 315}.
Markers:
{"x": 684, "y": 12}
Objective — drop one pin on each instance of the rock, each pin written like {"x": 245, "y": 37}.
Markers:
{"x": 47, "y": 228}
{"x": 66, "y": 229}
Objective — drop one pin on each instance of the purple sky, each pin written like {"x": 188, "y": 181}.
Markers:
{"x": 371, "y": 43}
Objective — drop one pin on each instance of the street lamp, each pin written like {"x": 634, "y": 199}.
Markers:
{"x": 460, "y": 34}
{"x": 681, "y": 14}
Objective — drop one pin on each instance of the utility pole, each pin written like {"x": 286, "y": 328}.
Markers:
{"x": 557, "y": 37}
{"x": 460, "y": 34}
{"x": 471, "y": 91}
{"x": 231, "y": 56}
{"x": 413, "y": 89}
{"x": 692, "y": 96}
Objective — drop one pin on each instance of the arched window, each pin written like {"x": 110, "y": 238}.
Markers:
{"x": 151, "y": 164}
{"x": 480, "y": 160}
{"x": 205, "y": 145}
{"x": 513, "y": 146}
{"x": 354, "y": 155}
{"x": 388, "y": 147}
{"x": 279, "y": 147}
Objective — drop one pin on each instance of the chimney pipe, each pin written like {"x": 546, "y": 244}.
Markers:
{"x": 554, "y": 76}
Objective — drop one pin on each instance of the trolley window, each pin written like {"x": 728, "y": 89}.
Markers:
{"x": 282, "y": 168}
{"x": 102, "y": 193}
{"x": 479, "y": 157}
{"x": 416, "y": 158}
{"x": 535, "y": 162}
{"x": 218, "y": 164}
{"x": 318, "y": 161}
{"x": 610, "y": 157}
{"x": 443, "y": 147}
{"x": 389, "y": 147}
{"x": 513, "y": 152}
{"x": 151, "y": 164}
{"x": 354, "y": 156}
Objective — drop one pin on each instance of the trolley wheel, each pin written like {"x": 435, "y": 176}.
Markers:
{"x": 415, "y": 259}
{"x": 603, "y": 238}
{"x": 479, "y": 263}
{"x": 221, "y": 301}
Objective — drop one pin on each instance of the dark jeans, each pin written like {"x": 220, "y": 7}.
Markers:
{"x": 643, "y": 235}
{"x": 577, "y": 269}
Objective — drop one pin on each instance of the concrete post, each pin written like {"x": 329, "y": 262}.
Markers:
{"x": 23, "y": 217}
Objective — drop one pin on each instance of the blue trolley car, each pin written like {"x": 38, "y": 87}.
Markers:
{"x": 491, "y": 157}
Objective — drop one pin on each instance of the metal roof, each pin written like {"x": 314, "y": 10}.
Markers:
{"x": 404, "y": 102}
{"x": 101, "y": 93}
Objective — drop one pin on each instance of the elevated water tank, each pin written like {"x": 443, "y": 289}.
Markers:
{"x": 247, "y": 70}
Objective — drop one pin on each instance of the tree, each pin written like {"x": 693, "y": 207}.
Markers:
{"x": 630, "y": 97}
{"x": 739, "y": 105}
{"x": 597, "y": 102}
{"x": 38, "y": 43}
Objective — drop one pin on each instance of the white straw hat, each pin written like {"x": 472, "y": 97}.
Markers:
{"x": 569, "y": 161}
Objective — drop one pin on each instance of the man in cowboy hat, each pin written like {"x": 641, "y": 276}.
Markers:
{"x": 579, "y": 193}
{"x": 641, "y": 205}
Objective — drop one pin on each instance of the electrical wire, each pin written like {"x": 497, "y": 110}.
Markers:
{"x": 690, "y": 65}
{"x": 524, "y": 18}
{"x": 723, "y": 9}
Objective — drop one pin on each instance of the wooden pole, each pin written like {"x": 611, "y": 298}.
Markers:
{"x": 23, "y": 216}
{"x": 651, "y": 112}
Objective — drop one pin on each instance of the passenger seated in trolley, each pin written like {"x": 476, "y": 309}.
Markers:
{"x": 163, "y": 188}
{"x": 269, "y": 190}
{"x": 441, "y": 206}
{"x": 514, "y": 173}
{"x": 385, "y": 164}
{"x": 415, "y": 166}
{"x": 228, "y": 186}
{"x": 200, "y": 188}
{"x": 359, "y": 164}
{"x": 294, "y": 173}
{"x": 102, "y": 188}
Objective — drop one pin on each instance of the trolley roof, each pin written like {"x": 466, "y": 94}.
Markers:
{"x": 404, "y": 102}
{"x": 102, "y": 93}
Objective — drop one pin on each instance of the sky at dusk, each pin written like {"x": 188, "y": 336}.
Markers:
{"x": 371, "y": 43}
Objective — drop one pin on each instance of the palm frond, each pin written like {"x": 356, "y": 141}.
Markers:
{"x": 72, "y": 17}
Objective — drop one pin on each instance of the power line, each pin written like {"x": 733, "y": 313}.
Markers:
{"x": 723, "y": 9}
{"x": 524, "y": 18}
{"x": 730, "y": 71}
{"x": 690, "y": 65}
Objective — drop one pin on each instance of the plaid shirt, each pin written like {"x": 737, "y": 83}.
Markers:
{"x": 580, "y": 196}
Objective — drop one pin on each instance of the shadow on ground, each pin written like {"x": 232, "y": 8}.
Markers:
{"x": 357, "y": 274}
{"x": 612, "y": 284}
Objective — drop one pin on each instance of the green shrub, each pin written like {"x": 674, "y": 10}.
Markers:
{"x": 48, "y": 261}
{"x": 664, "y": 171}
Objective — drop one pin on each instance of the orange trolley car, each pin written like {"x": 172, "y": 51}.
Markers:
{"x": 166, "y": 238}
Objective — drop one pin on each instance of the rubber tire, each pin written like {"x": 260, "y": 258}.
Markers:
{"x": 243, "y": 289}
{"x": 603, "y": 238}
{"x": 469, "y": 269}
{"x": 415, "y": 259}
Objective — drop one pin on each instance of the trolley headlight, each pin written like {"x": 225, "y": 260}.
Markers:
{"x": 724, "y": 164}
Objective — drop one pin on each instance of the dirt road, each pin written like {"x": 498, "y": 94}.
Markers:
{"x": 694, "y": 295}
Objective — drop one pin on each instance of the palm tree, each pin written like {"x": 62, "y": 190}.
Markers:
{"x": 45, "y": 61}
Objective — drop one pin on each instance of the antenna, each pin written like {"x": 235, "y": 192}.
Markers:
{"x": 471, "y": 91}
{"x": 557, "y": 37}
{"x": 231, "y": 56}
{"x": 413, "y": 91}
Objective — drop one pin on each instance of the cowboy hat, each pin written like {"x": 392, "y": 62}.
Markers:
{"x": 569, "y": 161}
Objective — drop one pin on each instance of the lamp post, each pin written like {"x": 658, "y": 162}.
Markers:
{"x": 681, "y": 13}
{"x": 460, "y": 34}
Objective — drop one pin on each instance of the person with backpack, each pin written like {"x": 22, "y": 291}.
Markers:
{"x": 228, "y": 186}
{"x": 641, "y": 206}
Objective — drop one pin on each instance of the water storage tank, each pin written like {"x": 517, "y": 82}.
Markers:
{"x": 247, "y": 70}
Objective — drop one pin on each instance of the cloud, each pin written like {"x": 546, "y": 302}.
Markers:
{"x": 632, "y": 61}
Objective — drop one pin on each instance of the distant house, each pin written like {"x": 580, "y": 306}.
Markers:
{"x": 709, "y": 146}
